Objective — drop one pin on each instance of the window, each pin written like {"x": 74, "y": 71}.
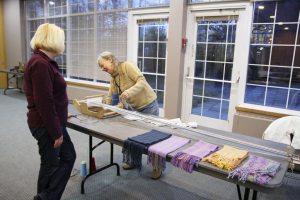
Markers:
{"x": 152, "y": 48}
{"x": 57, "y": 7}
{"x": 208, "y": 1}
{"x": 62, "y": 59}
{"x": 273, "y": 77}
{"x": 149, "y": 3}
{"x": 81, "y": 47}
{"x": 91, "y": 26}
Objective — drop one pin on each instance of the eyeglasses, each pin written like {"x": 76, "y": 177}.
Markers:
{"x": 101, "y": 66}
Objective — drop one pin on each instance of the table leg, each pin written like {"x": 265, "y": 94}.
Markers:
{"x": 90, "y": 153}
{"x": 254, "y": 195}
{"x": 7, "y": 84}
{"x": 239, "y": 191}
{"x": 91, "y": 148}
{"x": 246, "y": 195}
{"x": 112, "y": 158}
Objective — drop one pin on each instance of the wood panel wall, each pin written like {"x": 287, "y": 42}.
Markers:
{"x": 2, "y": 48}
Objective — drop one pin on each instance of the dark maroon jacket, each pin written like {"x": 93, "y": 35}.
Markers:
{"x": 45, "y": 90}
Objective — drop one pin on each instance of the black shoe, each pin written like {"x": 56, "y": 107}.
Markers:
{"x": 36, "y": 197}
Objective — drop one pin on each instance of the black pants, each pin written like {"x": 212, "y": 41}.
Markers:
{"x": 56, "y": 164}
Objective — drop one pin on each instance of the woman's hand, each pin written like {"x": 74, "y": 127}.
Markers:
{"x": 58, "y": 142}
{"x": 124, "y": 96}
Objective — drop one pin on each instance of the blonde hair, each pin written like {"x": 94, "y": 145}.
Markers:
{"x": 49, "y": 37}
{"x": 107, "y": 55}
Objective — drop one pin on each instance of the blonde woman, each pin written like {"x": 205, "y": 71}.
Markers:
{"x": 45, "y": 90}
{"x": 128, "y": 89}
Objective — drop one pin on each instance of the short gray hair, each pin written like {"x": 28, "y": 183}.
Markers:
{"x": 107, "y": 55}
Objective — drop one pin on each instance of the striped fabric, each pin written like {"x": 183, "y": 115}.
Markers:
{"x": 190, "y": 157}
{"x": 157, "y": 153}
{"x": 256, "y": 169}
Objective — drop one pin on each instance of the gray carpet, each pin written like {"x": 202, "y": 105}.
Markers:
{"x": 19, "y": 164}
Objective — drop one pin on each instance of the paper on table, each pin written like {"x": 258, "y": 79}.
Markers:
{"x": 131, "y": 117}
{"x": 94, "y": 102}
{"x": 178, "y": 122}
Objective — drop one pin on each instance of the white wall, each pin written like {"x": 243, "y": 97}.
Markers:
{"x": 251, "y": 124}
{"x": 12, "y": 27}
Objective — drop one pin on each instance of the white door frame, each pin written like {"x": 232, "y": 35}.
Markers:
{"x": 240, "y": 62}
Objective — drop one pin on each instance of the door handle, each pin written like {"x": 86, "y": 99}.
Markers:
{"x": 207, "y": 79}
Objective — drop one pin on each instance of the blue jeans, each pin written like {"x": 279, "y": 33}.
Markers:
{"x": 56, "y": 164}
{"x": 151, "y": 109}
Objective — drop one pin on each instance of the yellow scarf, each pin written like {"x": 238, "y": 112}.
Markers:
{"x": 227, "y": 158}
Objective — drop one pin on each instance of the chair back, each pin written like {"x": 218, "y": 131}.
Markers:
{"x": 284, "y": 130}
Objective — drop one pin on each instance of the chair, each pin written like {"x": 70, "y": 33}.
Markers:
{"x": 284, "y": 130}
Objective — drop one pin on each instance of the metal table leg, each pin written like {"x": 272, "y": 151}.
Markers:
{"x": 91, "y": 148}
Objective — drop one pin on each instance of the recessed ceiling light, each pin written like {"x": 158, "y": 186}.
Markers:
{"x": 280, "y": 23}
{"x": 286, "y": 28}
{"x": 272, "y": 16}
{"x": 261, "y": 7}
{"x": 51, "y": 3}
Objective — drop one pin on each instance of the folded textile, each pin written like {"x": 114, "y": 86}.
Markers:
{"x": 157, "y": 153}
{"x": 134, "y": 147}
{"x": 191, "y": 156}
{"x": 256, "y": 169}
{"x": 150, "y": 137}
{"x": 227, "y": 158}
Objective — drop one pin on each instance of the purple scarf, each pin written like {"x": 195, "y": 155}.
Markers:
{"x": 256, "y": 169}
{"x": 157, "y": 153}
{"x": 191, "y": 156}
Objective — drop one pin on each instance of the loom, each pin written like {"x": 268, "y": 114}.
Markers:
{"x": 260, "y": 148}
{"x": 292, "y": 154}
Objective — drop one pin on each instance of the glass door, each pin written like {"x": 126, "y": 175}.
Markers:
{"x": 213, "y": 67}
{"x": 211, "y": 73}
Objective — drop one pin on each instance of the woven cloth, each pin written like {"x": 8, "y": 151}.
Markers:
{"x": 150, "y": 137}
{"x": 157, "y": 153}
{"x": 190, "y": 157}
{"x": 256, "y": 169}
{"x": 134, "y": 147}
{"x": 227, "y": 158}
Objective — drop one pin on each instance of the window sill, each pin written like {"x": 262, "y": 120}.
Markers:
{"x": 267, "y": 111}
{"x": 100, "y": 86}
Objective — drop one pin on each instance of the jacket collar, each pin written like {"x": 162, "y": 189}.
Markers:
{"x": 37, "y": 51}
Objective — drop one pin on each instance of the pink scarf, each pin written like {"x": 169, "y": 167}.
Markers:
{"x": 158, "y": 152}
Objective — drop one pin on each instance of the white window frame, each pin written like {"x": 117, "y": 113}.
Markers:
{"x": 244, "y": 81}
{"x": 132, "y": 28}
